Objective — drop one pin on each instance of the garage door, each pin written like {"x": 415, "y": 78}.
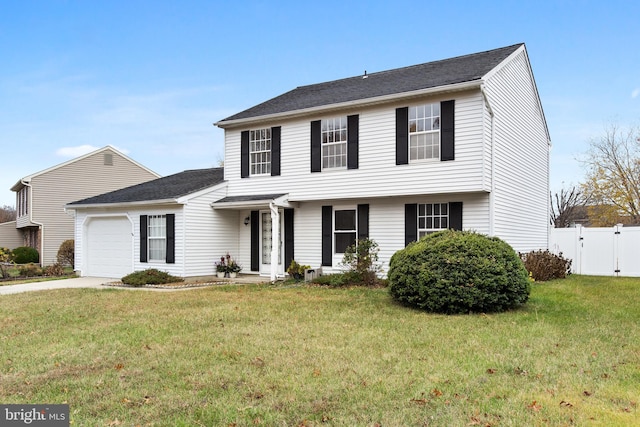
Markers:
{"x": 109, "y": 250}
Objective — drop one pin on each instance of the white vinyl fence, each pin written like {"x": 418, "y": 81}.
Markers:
{"x": 610, "y": 251}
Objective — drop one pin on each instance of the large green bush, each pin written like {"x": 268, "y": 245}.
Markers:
{"x": 25, "y": 255}
{"x": 458, "y": 272}
{"x": 150, "y": 276}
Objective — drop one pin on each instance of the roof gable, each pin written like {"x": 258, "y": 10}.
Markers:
{"x": 167, "y": 188}
{"x": 18, "y": 185}
{"x": 435, "y": 74}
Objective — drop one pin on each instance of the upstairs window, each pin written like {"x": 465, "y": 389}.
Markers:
{"x": 334, "y": 142}
{"x": 260, "y": 151}
{"x": 157, "y": 237}
{"x": 432, "y": 217}
{"x": 23, "y": 201}
{"x": 424, "y": 132}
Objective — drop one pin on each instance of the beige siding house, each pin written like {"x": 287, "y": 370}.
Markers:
{"x": 42, "y": 196}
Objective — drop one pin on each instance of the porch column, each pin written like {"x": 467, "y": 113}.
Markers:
{"x": 275, "y": 239}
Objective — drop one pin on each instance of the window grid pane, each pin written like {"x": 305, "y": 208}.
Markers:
{"x": 334, "y": 142}
{"x": 157, "y": 237}
{"x": 424, "y": 132}
{"x": 432, "y": 217}
{"x": 344, "y": 229}
{"x": 260, "y": 151}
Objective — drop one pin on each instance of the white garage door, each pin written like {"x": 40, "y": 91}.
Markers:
{"x": 109, "y": 247}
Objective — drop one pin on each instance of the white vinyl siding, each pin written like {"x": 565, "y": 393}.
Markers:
{"x": 377, "y": 173}
{"x": 521, "y": 159}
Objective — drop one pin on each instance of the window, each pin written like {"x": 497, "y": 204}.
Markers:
{"x": 424, "y": 132}
{"x": 260, "y": 151}
{"x": 344, "y": 229}
{"x": 23, "y": 201}
{"x": 157, "y": 237}
{"x": 334, "y": 142}
{"x": 432, "y": 217}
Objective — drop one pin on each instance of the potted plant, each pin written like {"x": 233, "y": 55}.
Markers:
{"x": 233, "y": 268}
{"x": 221, "y": 268}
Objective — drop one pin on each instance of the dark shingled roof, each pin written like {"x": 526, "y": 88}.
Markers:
{"x": 423, "y": 76}
{"x": 168, "y": 187}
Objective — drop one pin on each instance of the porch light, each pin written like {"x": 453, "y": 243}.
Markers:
{"x": 247, "y": 220}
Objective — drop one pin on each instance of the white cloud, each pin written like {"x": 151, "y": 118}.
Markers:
{"x": 635, "y": 93}
{"x": 75, "y": 151}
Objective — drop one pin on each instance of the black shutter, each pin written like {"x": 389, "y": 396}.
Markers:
{"x": 410, "y": 223}
{"x": 447, "y": 145}
{"x": 143, "y": 238}
{"x": 455, "y": 215}
{"x": 327, "y": 233}
{"x": 316, "y": 146}
{"x": 255, "y": 241}
{"x": 363, "y": 222}
{"x": 244, "y": 154}
{"x": 171, "y": 238}
{"x": 288, "y": 237}
{"x": 402, "y": 136}
{"x": 275, "y": 151}
{"x": 352, "y": 141}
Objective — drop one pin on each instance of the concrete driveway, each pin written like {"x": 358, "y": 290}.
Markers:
{"x": 76, "y": 282}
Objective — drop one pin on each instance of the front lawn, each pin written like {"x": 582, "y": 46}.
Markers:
{"x": 302, "y": 356}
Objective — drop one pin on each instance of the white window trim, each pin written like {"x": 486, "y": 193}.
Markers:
{"x": 163, "y": 238}
{"x": 343, "y": 143}
{"x": 425, "y": 230}
{"x": 425, "y": 132}
{"x": 265, "y": 166}
{"x": 335, "y": 232}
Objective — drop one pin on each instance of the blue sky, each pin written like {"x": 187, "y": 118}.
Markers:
{"x": 151, "y": 77}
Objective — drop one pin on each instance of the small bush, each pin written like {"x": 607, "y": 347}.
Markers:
{"x": 5, "y": 257}
{"x": 54, "y": 270}
{"x": 333, "y": 280}
{"x": 25, "y": 255}
{"x": 66, "y": 253}
{"x": 458, "y": 272}
{"x": 150, "y": 276}
{"x": 544, "y": 265}
{"x": 296, "y": 270}
{"x": 361, "y": 260}
{"x": 30, "y": 270}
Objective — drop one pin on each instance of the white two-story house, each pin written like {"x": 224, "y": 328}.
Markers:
{"x": 459, "y": 143}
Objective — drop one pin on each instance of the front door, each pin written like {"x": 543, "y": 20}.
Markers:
{"x": 267, "y": 243}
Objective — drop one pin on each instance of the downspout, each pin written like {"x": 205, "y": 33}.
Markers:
{"x": 31, "y": 221}
{"x": 492, "y": 187}
{"x": 275, "y": 239}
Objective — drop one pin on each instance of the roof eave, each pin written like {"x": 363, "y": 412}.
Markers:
{"x": 456, "y": 87}
{"x": 122, "y": 204}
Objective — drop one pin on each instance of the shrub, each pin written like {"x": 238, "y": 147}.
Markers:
{"x": 361, "y": 260}
{"x": 150, "y": 276}
{"x": 5, "y": 257}
{"x": 66, "y": 253}
{"x": 296, "y": 270}
{"x": 30, "y": 270}
{"x": 458, "y": 272}
{"x": 54, "y": 270}
{"x": 544, "y": 265}
{"x": 332, "y": 280}
{"x": 25, "y": 255}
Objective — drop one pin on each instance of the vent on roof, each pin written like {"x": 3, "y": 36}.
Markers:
{"x": 365, "y": 74}
{"x": 108, "y": 159}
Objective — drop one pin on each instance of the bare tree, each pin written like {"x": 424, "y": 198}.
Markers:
{"x": 7, "y": 213}
{"x": 613, "y": 172}
{"x": 565, "y": 207}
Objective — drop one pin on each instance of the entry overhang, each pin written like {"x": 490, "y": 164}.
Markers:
{"x": 254, "y": 201}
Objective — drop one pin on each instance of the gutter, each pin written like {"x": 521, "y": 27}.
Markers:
{"x": 473, "y": 84}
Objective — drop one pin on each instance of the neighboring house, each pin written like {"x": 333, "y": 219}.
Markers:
{"x": 167, "y": 223}
{"x": 460, "y": 143}
{"x": 41, "y": 197}
{"x": 10, "y": 237}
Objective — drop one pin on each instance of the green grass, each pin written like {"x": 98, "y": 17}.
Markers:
{"x": 292, "y": 356}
